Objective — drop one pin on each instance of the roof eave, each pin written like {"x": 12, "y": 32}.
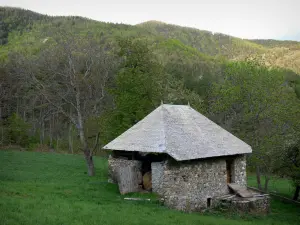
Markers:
{"x": 210, "y": 156}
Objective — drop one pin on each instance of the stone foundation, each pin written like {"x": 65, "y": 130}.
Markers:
{"x": 258, "y": 205}
{"x": 188, "y": 185}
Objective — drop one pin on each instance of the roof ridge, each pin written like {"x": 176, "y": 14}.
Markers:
{"x": 163, "y": 129}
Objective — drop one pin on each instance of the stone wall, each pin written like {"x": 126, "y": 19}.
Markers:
{"x": 239, "y": 175}
{"x": 187, "y": 186}
{"x": 115, "y": 163}
{"x": 157, "y": 169}
{"x": 256, "y": 205}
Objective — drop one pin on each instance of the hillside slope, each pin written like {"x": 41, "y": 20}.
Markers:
{"x": 19, "y": 26}
{"x": 204, "y": 41}
{"x": 285, "y": 54}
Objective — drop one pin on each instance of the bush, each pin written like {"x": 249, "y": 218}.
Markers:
{"x": 17, "y": 132}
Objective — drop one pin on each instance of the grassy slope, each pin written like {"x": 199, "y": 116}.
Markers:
{"x": 277, "y": 185}
{"x": 45, "y": 188}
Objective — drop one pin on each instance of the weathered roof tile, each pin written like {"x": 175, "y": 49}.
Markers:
{"x": 181, "y": 132}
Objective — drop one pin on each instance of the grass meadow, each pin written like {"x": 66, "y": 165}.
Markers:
{"x": 48, "y": 188}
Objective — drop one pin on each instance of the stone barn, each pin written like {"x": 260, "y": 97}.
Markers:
{"x": 179, "y": 154}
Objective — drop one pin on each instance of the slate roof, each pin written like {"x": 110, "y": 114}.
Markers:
{"x": 181, "y": 132}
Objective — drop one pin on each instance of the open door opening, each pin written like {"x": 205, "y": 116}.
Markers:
{"x": 147, "y": 175}
{"x": 229, "y": 170}
{"x": 208, "y": 202}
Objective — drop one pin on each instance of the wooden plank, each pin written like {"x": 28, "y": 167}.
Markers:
{"x": 138, "y": 199}
{"x": 235, "y": 187}
{"x": 127, "y": 180}
{"x": 245, "y": 193}
{"x": 239, "y": 190}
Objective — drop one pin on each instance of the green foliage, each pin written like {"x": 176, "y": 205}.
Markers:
{"x": 252, "y": 103}
{"x": 173, "y": 45}
{"x": 296, "y": 82}
{"x": 138, "y": 86}
{"x": 18, "y": 130}
{"x": 297, "y": 90}
{"x": 289, "y": 163}
{"x": 295, "y": 165}
{"x": 13, "y": 19}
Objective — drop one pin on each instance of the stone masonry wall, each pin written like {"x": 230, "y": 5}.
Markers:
{"x": 239, "y": 175}
{"x": 115, "y": 163}
{"x": 187, "y": 185}
{"x": 258, "y": 206}
{"x": 157, "y": 170}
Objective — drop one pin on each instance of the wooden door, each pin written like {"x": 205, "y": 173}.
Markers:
{"x": 127, "y": 179}
{"x": 228, "y": 171}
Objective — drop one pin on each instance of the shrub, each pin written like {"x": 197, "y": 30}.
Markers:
{"x": 17, "y": 132}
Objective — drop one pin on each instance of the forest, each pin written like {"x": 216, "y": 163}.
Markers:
{"x": 72, "y": 84}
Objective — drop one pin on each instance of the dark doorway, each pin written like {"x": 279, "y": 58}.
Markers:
{"x": 146, "y": 166}
{"x": 208, "y": 202}
{"x": 229, "y": 170}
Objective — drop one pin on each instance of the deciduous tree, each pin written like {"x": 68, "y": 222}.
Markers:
{"x": 257, "y": 105}
{"x": 71, "y": 74}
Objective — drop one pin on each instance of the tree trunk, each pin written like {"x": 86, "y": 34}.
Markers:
{"x": 87, "y": 152}
{"x": 57, "y": 143}
{"x": 70, "y": 139}
{"x": 2, "y": 136}
{"x": 89, "y": 162}
{"x": 267, "y": 179}
{"x": 296, "y": 195}
{"x": 42, "y": 135}
{"x": 50, "y": 132}
{"x": 24, "y": 115}
{"x": 258, "y": 178}
{"x": 17, "y": 110}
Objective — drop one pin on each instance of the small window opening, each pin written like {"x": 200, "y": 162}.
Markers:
{"x": 208, "y": 202}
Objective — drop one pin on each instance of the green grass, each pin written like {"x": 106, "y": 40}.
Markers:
{"x": 277, "y": 185}
{"x": 45, "y": 188}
